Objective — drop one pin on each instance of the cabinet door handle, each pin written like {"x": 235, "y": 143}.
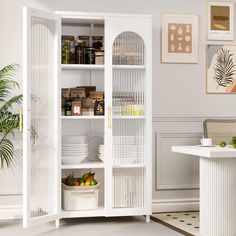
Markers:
{"x": 109, "y": 117}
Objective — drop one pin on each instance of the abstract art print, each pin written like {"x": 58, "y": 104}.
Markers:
{"x": 179, "y": 38}
{"x": 220, "y": 20}
{"x": 221, "y": 69}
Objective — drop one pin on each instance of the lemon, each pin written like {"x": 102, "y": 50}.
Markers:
{"x": 87, "y": 183}
{"x": 222, "y": 143}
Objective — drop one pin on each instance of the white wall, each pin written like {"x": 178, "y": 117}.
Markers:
{"x": 180, "y": 102}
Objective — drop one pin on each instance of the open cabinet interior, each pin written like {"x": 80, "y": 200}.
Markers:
{"x": 87, "y": 131}
{"x": 82, "y": 124}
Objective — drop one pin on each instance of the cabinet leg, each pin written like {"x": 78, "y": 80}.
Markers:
{"x": 57, "y": 223}
{"x": 147, "y": 218}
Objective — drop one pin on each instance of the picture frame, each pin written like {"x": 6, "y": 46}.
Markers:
{"x": 221, "y": 69}
{"x": 220, "y": 17}
{"x": 179, "y": 38}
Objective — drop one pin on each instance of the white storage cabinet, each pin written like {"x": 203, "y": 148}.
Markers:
{"x": 125, "y": 129}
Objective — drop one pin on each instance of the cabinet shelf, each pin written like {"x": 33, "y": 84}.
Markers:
{"x": 81, "y": 67}
{"x": 128, "y": 67}
{"x": 128, "y": 117}
{"x": 84, "y": 165}
{"x": 82, "y": 117}
{"x": 128, "y": 165}
{"x": 84, "y": 213}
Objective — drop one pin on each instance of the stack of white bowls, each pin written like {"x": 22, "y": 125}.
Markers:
{"x": 74, "y": 149}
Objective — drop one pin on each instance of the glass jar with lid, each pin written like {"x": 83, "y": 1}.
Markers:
{"x": 68, "y": 50}
{"x": 89, "y": 55}
{"x": 80, "y": 52}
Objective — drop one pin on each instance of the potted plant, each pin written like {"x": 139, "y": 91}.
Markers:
{"x": 9, "y": 119}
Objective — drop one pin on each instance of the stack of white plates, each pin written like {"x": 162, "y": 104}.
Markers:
{"x": 74, "y": 149}
{"x": 101, "y": 152}
{"x": 94, "y": 142}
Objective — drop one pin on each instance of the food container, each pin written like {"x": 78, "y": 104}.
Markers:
{"x": 99, "y": 58}
{"x": 75, "y": 198}
{"x": 97, "y": 95}
{"x": 87, "y": 103}
{"x": 88, "y": 112}
{"x": 68, "y": 50}
{"x": 77, "y": 92}
{"x": 65, "y": 93}
{"x": 89, "y": 55}
{"x": 99, "y": 108}
{"x": 76, "y": 109}
{"x": 84, "y": 39}
{"x": 88, "y": 89}
{"x": 68, "y": 106}
{"x": 97, "y": 41}
{"x": 80, "y": 52}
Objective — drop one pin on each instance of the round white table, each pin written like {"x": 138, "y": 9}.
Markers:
{"x": 217, "y": 188}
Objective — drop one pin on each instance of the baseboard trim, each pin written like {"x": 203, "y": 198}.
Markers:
{"x": 173, "y": 205}
{"x": 10, "y": 212}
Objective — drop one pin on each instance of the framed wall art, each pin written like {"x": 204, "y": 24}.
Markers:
{"x": 220, "y": 21}
{"x": 221, "y": 69}
{"x": 179, "y": 38}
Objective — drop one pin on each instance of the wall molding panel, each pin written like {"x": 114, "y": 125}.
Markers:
{"x": 161, "y": 139}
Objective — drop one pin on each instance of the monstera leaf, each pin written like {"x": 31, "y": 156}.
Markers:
{"x": 224, "y": 68}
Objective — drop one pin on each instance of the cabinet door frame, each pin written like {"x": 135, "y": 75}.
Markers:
{"x": 115, "y": 25}
{"x": 28, "y": 13}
